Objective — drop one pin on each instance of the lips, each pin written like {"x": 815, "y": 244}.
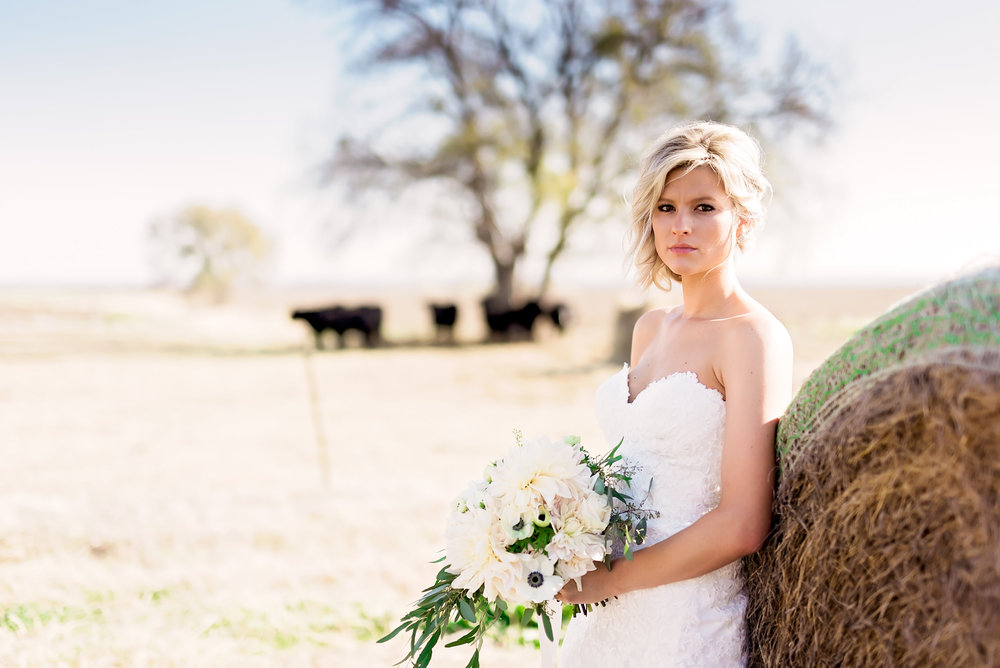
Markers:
{"x": 681, "y": 249}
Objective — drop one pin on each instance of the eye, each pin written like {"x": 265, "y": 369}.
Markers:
{"x": 665, "y": 208}
{"x": 705, "y": 208}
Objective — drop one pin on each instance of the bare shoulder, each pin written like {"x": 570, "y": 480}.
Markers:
{"x": 761, "y": 325}
{"x": 646, "y": 328}
{"x": 759, "y": 336}
{"x": 651, "y": 320}
{"x": 755, "y": 365}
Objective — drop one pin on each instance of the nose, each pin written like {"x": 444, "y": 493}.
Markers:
{"x": 681, "y": 225}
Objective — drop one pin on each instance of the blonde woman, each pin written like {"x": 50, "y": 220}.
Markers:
{"x": 697, "y": 408}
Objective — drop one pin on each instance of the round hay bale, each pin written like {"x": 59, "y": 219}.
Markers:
{"x": 961, "y": 312}
{"x": 886, "y": 549}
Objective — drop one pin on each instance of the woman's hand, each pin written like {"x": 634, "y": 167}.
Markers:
{"x": 597, "y": 585}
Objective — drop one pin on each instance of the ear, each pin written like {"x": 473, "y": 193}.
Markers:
{"x": 742, "y": 227}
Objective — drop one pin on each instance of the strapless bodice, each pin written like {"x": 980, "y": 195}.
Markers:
{"x": 673, "y": 431}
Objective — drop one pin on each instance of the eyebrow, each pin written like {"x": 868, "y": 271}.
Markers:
{"x": 699, "y": 198}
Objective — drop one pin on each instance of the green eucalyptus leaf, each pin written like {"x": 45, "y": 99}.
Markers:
{"x": 428, "y": 632}
{"x": 464, "y": 640}
{"x": 614, "y": 450}
{"x": 433, "y": 591}
{"x": 413, "y": 640}
{"x": 526, "y": 616}
{"x": 466, "y": 609}
{"x": 548, "y": 627}
{"x": 393, "y": 633}
{"x": 424, "y": 659}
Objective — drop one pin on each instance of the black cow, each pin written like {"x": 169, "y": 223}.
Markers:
{"x": 364, "y": 319}
{"x": 445, "y": 316}
{"x": 518, "y": 324}
{"x": 510, "y": 324}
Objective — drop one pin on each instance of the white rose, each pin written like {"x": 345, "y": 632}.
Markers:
{"x": 501, "y": 580}
{"x": 574, "y": 569}
{"x": 594, "y": 512}
{"x": 572, "y": 542}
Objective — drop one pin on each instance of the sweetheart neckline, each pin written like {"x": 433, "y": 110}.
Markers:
{"x": 630, "y": 401}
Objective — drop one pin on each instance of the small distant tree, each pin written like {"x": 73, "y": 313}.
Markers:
{"x": 207, "y": 251}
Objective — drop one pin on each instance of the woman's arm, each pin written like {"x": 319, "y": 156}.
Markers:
{"x": 755, "y": 367}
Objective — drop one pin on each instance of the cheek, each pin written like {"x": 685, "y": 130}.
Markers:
{"x": 659, "y": 230}
{"x": 724, "y": 231}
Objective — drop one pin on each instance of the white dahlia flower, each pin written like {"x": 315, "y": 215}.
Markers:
{"x": 476, "y": 550}
{"x": 540, "y": 468}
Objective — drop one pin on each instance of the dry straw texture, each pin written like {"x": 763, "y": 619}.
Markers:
{"x": 887, "y": 536}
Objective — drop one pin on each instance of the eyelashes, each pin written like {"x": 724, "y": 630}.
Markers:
{"x": 669, "y": 208}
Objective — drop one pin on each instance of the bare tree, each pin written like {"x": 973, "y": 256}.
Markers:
{"x": 207, "y": 251}
{"x": 547, "y": 103}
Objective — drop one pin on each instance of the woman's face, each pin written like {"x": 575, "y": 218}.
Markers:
{"x": 694, "y": 222}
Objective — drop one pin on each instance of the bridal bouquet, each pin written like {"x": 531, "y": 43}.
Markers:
{"x": 539, "y": 517}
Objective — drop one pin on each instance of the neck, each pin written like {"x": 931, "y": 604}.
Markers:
{"x": 710, "y": 295}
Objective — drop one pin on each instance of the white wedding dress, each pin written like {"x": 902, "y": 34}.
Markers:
{"x": 673, "y": 430}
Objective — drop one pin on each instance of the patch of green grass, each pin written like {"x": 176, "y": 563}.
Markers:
{"x": 275, "y": 630}
{"x": 98, "y": 596}
{"x": 23, "y": 617}
{"x": 302, "y": 622}
{"x": 247, "y": 623}
{"x": 369, "y": 627}
{"x": 156, "y": 595}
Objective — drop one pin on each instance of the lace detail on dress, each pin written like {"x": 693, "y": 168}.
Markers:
{"x": 673, "y": 430}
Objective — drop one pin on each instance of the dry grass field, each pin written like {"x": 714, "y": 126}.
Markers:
{"x": 171, "y": 494}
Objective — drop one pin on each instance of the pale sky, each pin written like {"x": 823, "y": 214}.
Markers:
{"x": 115, "y": 112}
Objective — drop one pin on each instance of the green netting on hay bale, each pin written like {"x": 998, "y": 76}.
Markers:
{"x": 961, "y": 312}
{"x": 886, "y": 547}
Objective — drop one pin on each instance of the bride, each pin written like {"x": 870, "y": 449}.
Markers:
{"x": 697, "y": 408}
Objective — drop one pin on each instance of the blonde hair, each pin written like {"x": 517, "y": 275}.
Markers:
{"x": 732, "y": 154}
